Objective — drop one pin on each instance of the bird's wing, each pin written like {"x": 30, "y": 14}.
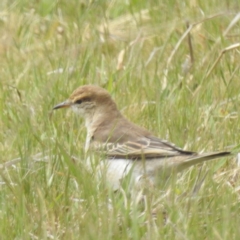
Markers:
{"x": 142, "y": 148}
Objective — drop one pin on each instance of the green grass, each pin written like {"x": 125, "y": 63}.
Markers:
{"x": 196, "y": 109}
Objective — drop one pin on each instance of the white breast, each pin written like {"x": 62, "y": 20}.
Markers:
{"x": 137, "y": 173}
{"x": 116, "y": 170}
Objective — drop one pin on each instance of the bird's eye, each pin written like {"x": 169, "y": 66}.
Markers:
{"x": 84, "y": 99}
{"x": 79, "y": 101}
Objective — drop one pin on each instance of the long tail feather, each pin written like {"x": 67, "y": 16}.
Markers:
{"x": 202, "y": 158}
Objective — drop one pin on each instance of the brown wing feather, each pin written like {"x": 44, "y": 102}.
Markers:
{"x": 145, "y": 147}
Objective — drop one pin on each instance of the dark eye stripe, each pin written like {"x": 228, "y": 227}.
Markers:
{"x": 79, "y": 101}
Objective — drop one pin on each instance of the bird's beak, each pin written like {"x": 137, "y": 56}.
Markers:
{"x": 65, "y": 104}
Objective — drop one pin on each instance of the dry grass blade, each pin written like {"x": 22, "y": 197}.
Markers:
{"x": 225, "y": 32}
{"x": 232, "y": 47}
{"x": 39, "y": 157}
{"x": 184, "y": 35}
{"x": 165, "y": 74}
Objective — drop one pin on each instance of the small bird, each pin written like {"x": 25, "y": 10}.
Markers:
{"x": 129, "y": 149}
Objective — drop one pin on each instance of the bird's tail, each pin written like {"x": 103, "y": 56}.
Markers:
{"x": 202, "y": 158}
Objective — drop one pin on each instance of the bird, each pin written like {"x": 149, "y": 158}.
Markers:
{"x": 128, "y": 149}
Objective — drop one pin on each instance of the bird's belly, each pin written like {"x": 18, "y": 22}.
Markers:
{"x": 118, "y": 169}
{"x": 115, "y": 170}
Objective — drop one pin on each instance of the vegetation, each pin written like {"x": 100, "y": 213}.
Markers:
{"x": 172, "y": 67}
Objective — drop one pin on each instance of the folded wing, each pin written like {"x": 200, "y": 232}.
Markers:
{"x": 144, "y": 148}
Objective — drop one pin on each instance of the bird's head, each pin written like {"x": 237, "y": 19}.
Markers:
{"x": 88, "y": 100}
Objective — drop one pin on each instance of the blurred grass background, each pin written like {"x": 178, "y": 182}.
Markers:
{"x": 138, "y": 52}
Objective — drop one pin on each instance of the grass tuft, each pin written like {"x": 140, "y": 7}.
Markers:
{"x": 182, "y": 83}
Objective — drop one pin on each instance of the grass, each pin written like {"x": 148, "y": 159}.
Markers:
{"x": 136, "y": 50}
